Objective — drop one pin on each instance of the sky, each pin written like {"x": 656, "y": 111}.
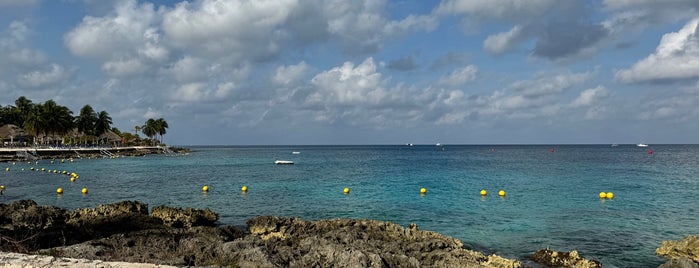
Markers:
{"x": 292, "y": 72}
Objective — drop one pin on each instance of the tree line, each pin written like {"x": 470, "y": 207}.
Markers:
{"x": 50, "y": 122}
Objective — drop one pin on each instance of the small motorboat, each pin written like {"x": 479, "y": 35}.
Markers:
{"x": 283, "y": 162}
{"x": 642, "y": 145}
{"x": 295, "y": 152}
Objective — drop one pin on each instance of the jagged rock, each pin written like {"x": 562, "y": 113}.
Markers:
{"x": 552, "y": 258}
{"x": 27, "y": 215}
{"x": 683, "y": 253}
{"x": 359, "y": 243}
{"x": 178, "y": 217}
{"x": 175, "y": 246}
{"x": 681, "y": 262}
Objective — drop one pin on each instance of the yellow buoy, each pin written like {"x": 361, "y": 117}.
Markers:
{"x": 7, "y": 169}
{"x": 2, "y": 187}
{"x": 72, "y": 179}
{"x": 346, "y": 190}
{"x": 84, "y": 191}
{"x": 63, "y": 160}
{"x": 60, "y": 191}
{"x": 610, "y": 195}
{"x": 205, "y": 188}
{"x": 602, "y": 195}
{"x": 43, "y": 169}
{"x": 244, "y": 188}
{"x": 423, "y": 190}
{"x": 501, "y": 193}
{"x": 484, "y": 192}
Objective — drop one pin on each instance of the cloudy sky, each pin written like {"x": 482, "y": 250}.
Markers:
{"x": 365, "y": 71}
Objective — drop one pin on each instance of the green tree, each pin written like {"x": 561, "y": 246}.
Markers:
{"x": 57, "y": 119}
{"x": 149, "y": 129}
{"x": 160, "y": 127}
{"x": 103, "y": 123}
{"x": 85, "y": 122}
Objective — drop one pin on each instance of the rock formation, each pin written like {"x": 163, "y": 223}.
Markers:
{"x": 683, "y": 253}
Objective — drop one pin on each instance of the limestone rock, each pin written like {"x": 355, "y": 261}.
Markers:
{"x": 552, "y": 258}
{"x": 178, "y": 217}
{"x": 688, "y": 247}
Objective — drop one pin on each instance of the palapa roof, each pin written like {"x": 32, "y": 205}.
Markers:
{"x": 110, "y": 136}
{"x": 11, "y": 131}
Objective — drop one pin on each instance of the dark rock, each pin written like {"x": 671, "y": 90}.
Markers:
{"x": 681, "y": 262}
{"x": 552, "y": 258}
{"x": 178, "y": 217}
{"x": 357, "y": 243}
{"x": 685, "y": 249}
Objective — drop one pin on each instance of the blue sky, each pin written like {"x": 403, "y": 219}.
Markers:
{"x": 365, "y": 72}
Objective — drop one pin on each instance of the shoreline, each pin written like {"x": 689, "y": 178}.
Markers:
{"x": 130, "y": 234}
{"x": 37, "y": 153}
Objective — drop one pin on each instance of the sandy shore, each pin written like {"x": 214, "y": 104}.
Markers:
{"x": 9, "y": 259}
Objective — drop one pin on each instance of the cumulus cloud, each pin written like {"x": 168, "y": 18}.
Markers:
{"x": 201, "y": 92}
{"x": 120, "y": 68}
{"x": 504, "y": 42}
{"x": 286, "y": 75}
{"x": 348, "y": 85}
{"x": 675, "y": 58}
{"x": 590, "y": 97}
{"x": 622, "y": 4}
{"x": 567, "y": 39}
{"x": 123, "y": 32}
{"x": 548, "y": 84}
{"x": 459, "y": 77}
{"x": 495, "y": 9}
{"x": 362, "y": 27}
{"x": 52, "y": 75}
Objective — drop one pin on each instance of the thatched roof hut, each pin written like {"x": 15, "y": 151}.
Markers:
{"x": 11, "y": 132}
{"x": 110, "y": 137}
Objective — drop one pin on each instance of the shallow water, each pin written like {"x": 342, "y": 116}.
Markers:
{"x": 552, "y": 198}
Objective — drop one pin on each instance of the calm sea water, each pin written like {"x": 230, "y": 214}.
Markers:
{"x": 552, "y": 197}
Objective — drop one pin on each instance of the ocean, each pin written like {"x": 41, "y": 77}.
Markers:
{"x": 552, "y": 191}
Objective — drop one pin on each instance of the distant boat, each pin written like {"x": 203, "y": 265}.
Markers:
{"x": 642, "y": 145}
{"x": 615, "y": 145}
{"x": 439, "y": 144}
{"x": 295, "y": 152}
{"x": 283, "y": 162}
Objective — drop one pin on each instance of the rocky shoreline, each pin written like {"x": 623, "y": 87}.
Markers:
{"x": 131, "y": 235}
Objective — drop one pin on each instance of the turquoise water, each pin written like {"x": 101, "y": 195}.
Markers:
{"x": 552, "y": 198}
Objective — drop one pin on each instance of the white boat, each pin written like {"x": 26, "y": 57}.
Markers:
{"x": 295, "y": 152}
{"x": 283, "y": 162}
{"x": 615, "y": 145}
{"x": 642, "y": 145}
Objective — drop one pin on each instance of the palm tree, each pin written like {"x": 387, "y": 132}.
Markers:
{"x": 149, "y": 128}
{"x": 103, "y": 123}
{"x": 86, "y": 120}
{"x": 34, "y": 123}
{"x": 58, "y": 119}
{"x": 21, "y": 109}
{"x": 160, "y": 126}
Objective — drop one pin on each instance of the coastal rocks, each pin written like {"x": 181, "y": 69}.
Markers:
{"x": 179, "y": 218}
{"x": 194, "y": 246}
{"x": 683, "y": 253}
{"x": 552, "y": 258}
{"x": 360, "y": 243}
{"x": 27, "y": 215}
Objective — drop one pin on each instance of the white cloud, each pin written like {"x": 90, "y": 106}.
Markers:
{"x": 123, "y": 32}
{"x": 459, "y": 77}
{"x": 28, "y": 57}
{"x": 217, "y": 27}
{"x": 53, "y": 75}
{"x": 120, "y": 68}
{"x": 495, "y": 9}
{"x": 547, "y": 84}
{"x": 676, "y": 58}
{"x": 347, "y": 85}
{"x": 362, "y": 27}
{"x": 622, "y": 4}
{"x": 590, "y": 97}
{"x": 202, "y": 92}
{"x": 504, "y": 42}
{"x": 286, "y": 75}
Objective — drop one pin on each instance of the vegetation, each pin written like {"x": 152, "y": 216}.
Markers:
{"x": 51, "y": 123}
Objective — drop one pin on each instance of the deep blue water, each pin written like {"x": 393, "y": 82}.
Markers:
{"x": 552, "y": 198}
